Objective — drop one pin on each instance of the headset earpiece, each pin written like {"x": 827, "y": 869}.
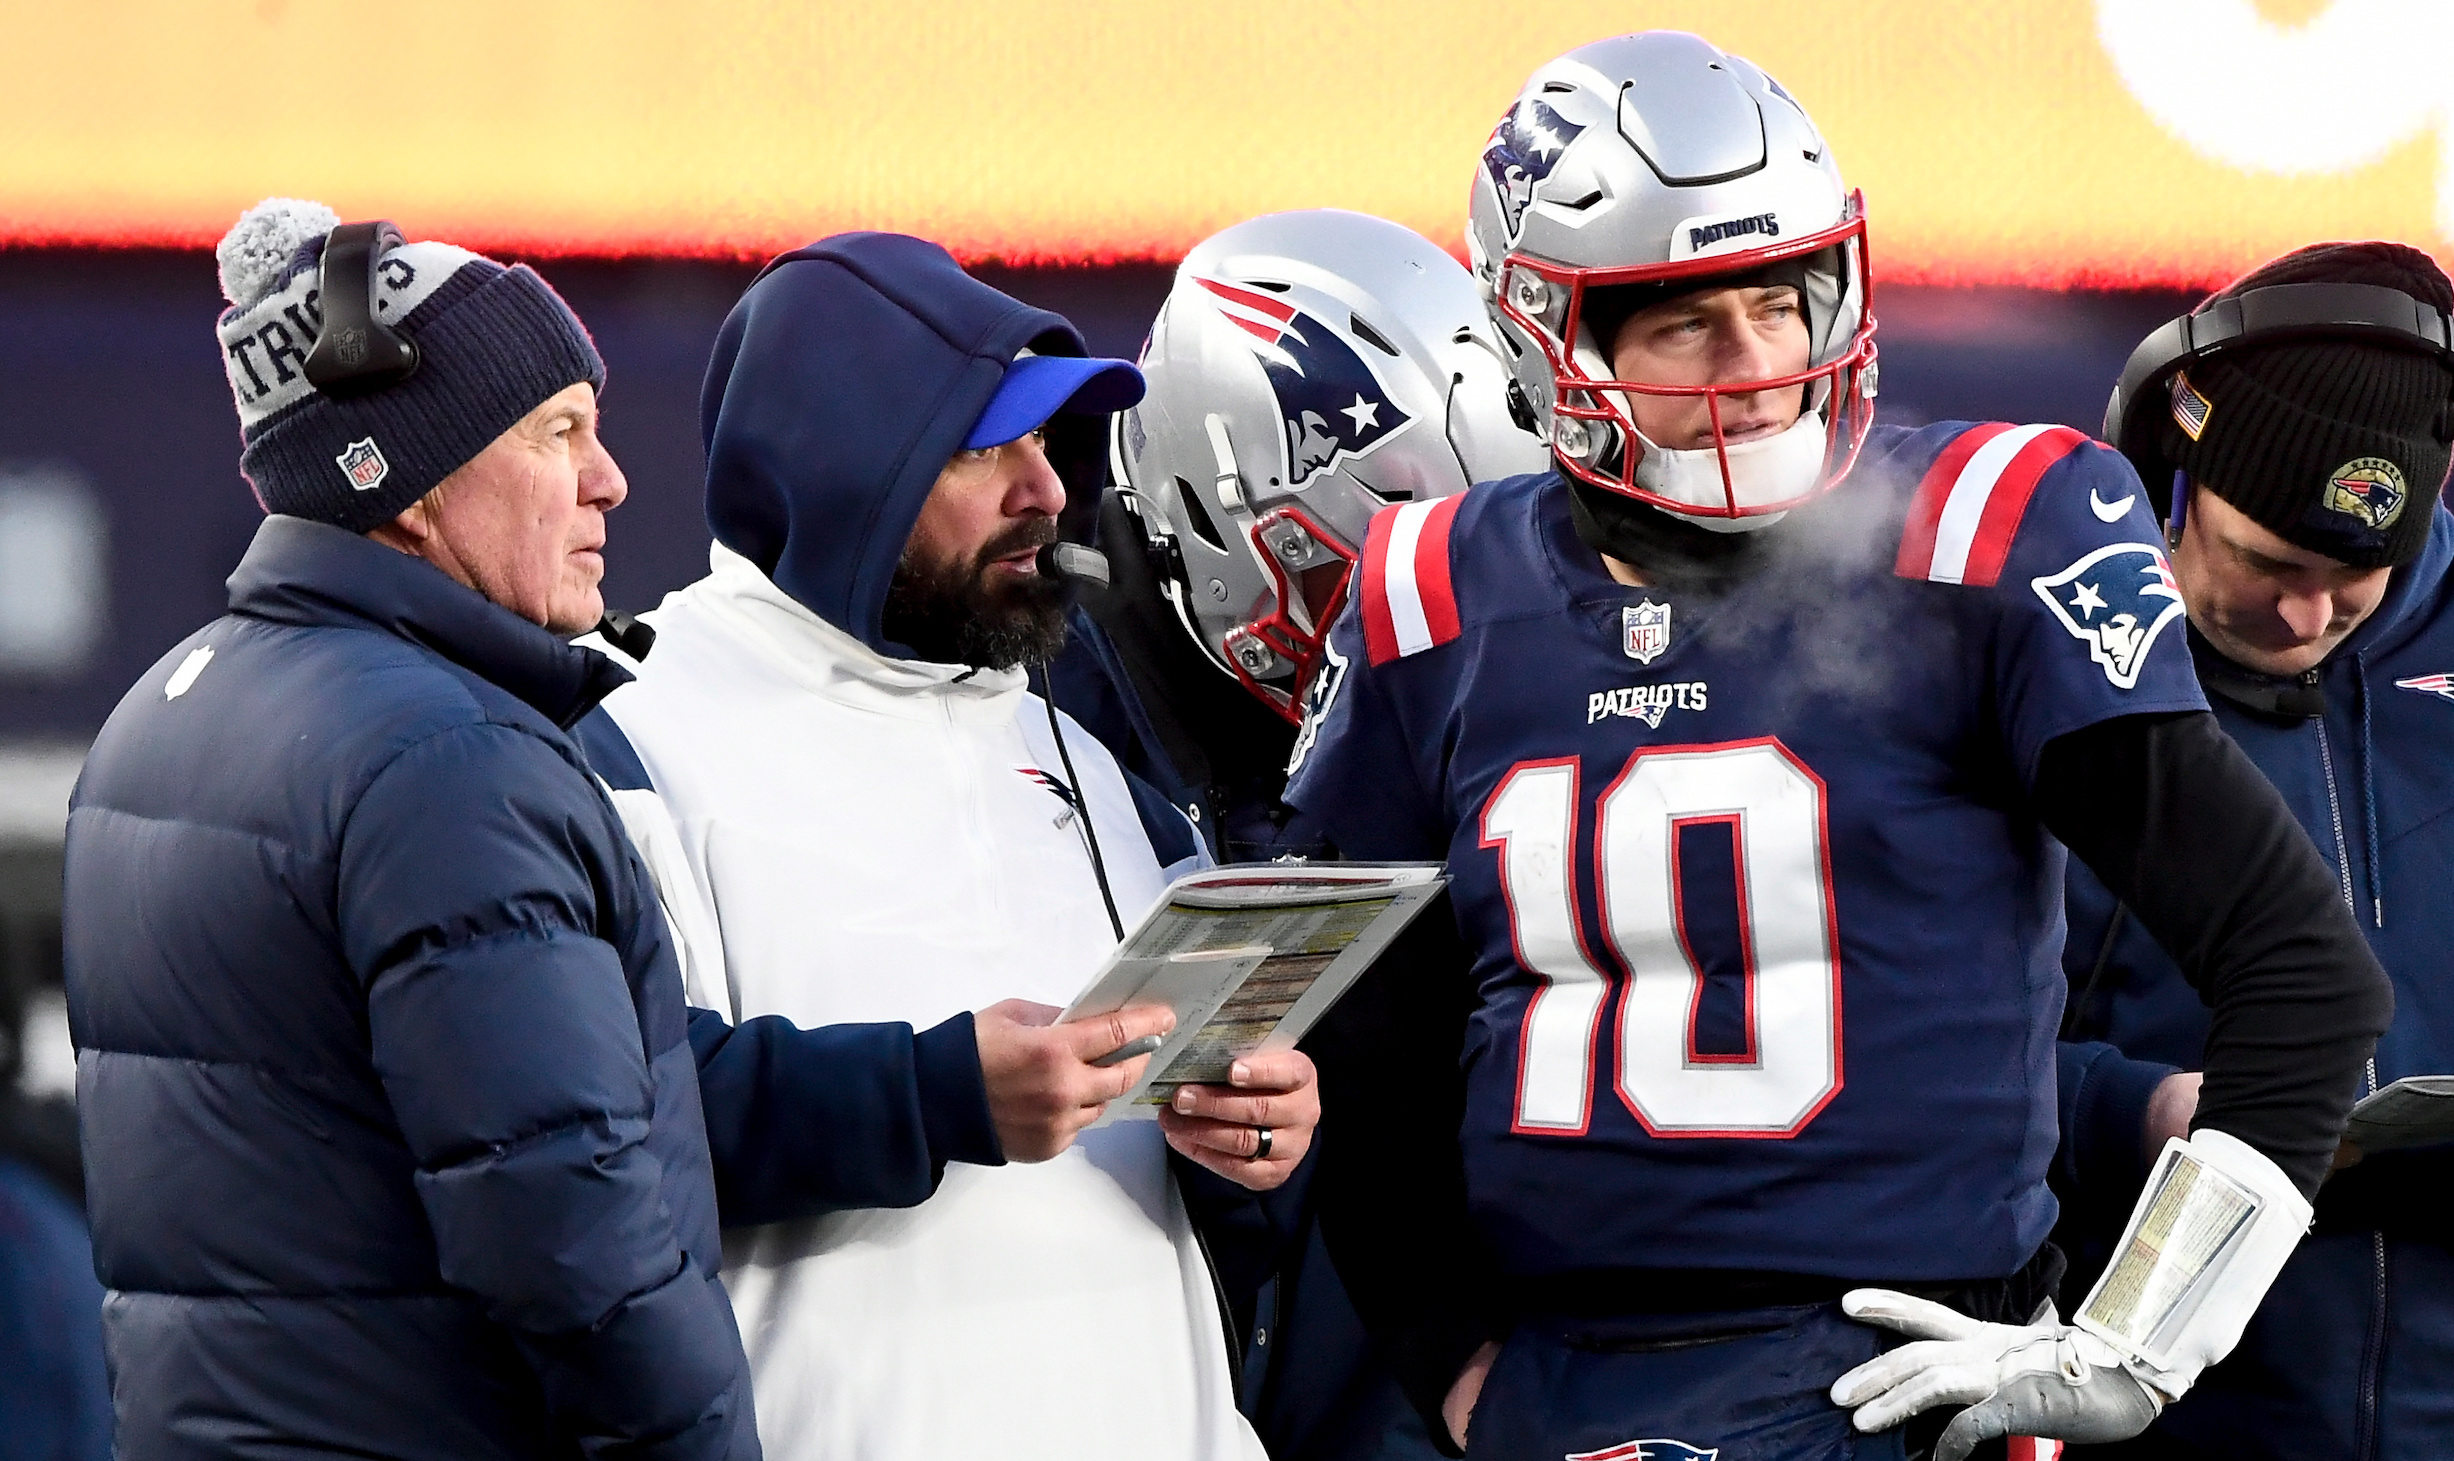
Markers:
{"x": 355, "y": 353}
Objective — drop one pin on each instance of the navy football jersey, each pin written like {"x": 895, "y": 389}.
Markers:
{"x": 1766, "y": 930}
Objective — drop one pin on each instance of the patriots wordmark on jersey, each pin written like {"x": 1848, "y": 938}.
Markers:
{"x": 1766, "y": 932}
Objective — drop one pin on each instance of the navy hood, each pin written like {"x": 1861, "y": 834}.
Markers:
{"x": 842, "y": 383}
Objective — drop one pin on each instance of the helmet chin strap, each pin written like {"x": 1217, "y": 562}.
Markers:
{"x": 1775, "y": 468}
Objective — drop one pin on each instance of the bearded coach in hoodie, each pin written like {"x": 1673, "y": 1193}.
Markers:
{"x": 864, "y": 821}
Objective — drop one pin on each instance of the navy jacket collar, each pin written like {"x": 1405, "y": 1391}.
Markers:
{"x": 311, "y": 574}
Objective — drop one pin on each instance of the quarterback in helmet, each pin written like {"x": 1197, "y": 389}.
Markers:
{"x": 1751, "y": 733}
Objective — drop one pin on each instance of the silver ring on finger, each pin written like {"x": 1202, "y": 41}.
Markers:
{"x": 1262, "y": 1136}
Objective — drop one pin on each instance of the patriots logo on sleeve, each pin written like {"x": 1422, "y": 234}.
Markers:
{"x": 1319, "y": 695}
{"x": 1330, "y": 405}
{"x": 1524, "y": 147}
{"x": 2116, "y": 599}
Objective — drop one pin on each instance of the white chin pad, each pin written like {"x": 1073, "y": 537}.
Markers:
{"x": 2210, "y": 1233}
{"x": 1776, "y": 468}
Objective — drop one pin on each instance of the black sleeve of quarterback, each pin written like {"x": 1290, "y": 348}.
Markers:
{"x": 2184, "y": 829}
{"x": 1390, "y": 1190}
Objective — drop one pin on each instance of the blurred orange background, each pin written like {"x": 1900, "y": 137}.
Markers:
{"x": 2002, "y": 142}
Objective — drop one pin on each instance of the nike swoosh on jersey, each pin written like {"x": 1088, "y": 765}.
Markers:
{"x": 2110, "y": 512}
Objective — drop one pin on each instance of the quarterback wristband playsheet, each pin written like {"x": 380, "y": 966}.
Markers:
{"x": 1249, "y": 956}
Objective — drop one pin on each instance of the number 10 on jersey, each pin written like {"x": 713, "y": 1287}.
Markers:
{"x": 1790, "y": 1066}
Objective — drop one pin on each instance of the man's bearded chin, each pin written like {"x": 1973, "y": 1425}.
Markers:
{"x": 963, "y": 613}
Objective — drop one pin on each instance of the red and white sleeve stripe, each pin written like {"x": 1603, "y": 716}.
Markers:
{"x": 2033, "y": 1448}
{"x": 1968, "y": 506}
{"x": 1408, "y": 603}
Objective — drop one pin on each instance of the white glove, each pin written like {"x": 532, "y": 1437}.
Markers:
{"x": 2042, "y": 1379}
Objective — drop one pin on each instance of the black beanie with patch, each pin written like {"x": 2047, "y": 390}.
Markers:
{"x": 2336, "y": 446}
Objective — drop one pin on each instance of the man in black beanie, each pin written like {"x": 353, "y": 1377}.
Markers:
{"x": 2316, "y": 475}
{"x": 392, "y": 1130}
{"x": 2313, "y": 547}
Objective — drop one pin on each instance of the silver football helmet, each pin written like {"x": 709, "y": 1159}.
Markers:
{"x": 1656, "y": 158}
{"x": 1307, "y": 370}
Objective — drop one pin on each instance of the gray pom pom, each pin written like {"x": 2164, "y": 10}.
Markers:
{"x": 257, "y": 250}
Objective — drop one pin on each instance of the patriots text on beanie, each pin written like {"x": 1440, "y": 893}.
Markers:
{"x": 493, "y": 343}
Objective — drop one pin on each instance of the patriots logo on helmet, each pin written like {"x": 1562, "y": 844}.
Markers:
{"x": 2116, "y": 599}
{"x": 1523, "y": 149}
{"x": 1657, "y": 1450}
{"x": 1330, "y": 405}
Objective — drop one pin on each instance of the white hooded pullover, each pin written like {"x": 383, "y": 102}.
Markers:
{"x": 859, "y": 838}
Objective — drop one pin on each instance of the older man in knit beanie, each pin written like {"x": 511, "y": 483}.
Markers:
{"x": 392, "y": 1131}
{"x": 2316, "y": 556}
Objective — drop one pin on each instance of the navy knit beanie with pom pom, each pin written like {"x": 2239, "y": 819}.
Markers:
{"x": 493, "y": 344}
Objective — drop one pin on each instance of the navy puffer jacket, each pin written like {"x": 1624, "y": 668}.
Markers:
{"x": 392, "y": 1131}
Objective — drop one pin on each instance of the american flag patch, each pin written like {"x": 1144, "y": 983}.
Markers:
{"x": 2189, "y": 407}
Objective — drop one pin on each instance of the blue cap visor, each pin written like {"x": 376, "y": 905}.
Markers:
{"x": 1037, "y": 387}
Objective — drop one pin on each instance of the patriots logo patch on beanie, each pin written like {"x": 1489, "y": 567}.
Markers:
{"x": 364, "y": 465}
{"x": 2367, "y": 488}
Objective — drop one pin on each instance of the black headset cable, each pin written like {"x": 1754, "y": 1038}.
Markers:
{"x": 1082, "y": 802}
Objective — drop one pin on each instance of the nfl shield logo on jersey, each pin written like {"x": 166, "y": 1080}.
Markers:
{"x": 364, "y": 464}
{"x": 2116, "y": 599}
{"x": 1647, "y": 627}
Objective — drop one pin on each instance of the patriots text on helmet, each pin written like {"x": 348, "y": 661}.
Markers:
{"x": 1705, "y": 237}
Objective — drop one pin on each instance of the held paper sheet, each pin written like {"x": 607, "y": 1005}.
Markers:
{"x": 1249, "y": 956}
{"x": 2417, "y": 1110}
